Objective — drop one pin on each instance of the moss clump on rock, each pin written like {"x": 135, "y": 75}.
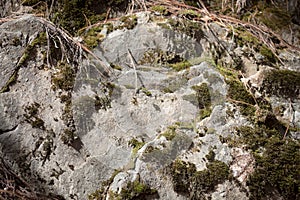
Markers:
{"x": 136, "y": 190}
{"x": 160, "y": 9}
{"x": 64, "y": 79}
{"x": 277, "y": 163}
{"x": 188, "y": 27}
{"x": 282, "y": 83}
{"x": 128, "y": 22}
{"x": 170, "y": 133}
{"x": 136, "y": 144}
{"x": 244, "y": 37}
{"x": 204, "y": 99}
{"x": 239, "y": 94}
{"x": 32, "y": 117}
{"x": 166, "y": 59}
{"x": 195, "y": 184}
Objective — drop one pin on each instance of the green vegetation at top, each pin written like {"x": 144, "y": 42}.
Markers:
{"x": 73, "y": 15}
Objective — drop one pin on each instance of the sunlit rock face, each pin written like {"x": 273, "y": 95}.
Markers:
{"x": 149, "y": 113}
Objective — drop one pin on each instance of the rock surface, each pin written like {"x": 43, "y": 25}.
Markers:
{"x": 70, "y": 123}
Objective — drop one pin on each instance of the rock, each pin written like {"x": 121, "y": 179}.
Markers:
{"x": 119, "y": 121}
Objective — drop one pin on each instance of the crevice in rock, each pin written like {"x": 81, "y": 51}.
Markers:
{"x": 2, "y": 131}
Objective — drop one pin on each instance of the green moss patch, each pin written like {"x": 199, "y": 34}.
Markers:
{"x": 275, "y": 18}
{"x": 204, "y": 99}
{"x": 157, "y": 57}
{"x": 136, "y": 190}
{"x": 188, "y": 27}
{"x": 282, "y": 83}
{"x": 195, "y": 184}
{"x": 136, "y": 144}
{"x": 244, "y": 37}
{"x": 128, "y": 22}
{"x": 170, "y": 133}
{"x": 241, "y": 96}
{"x": 277, "y": 163}
{"x": 64, "y": 79}
{"x": 160, "y": 9}
{"x": 31, "y": 116}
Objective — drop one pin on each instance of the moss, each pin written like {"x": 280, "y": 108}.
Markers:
{"x": 136, "y": 144}
{"x": 157, "y": 57}
{"x": 29, "y": 52}
{"x": 73, "y": 15}
{"x": 30, "y": 2}
{"x": 191, "y": 2}
{"x": 203, "y": 95}
{"x": 275, "y": 17}
{"x": 102, "y": 103}
{"x": 93, "y": 36}
{"x": 101, "y": 192}
{"x": 64, "y": 79}
{"x": 268, "y": 54}
{"x": 210, "y": 156}
{"x": 190, "y": 14}
{"x": 116, "y": 67}
{"x": 128, "y": 22}
{"x": 203, "y": 99}
{"x": 11, "y": 81}
{"x": 136, "y": 190}
{"x": 31, "y": 116}
{"x": 277, "y": 163}
{"x": 160, "y": 9}
{"x": 170, "y": 133}
{"x": 67, "y": 136}
{"x": 282, "y": 83}
{"x": 146, "y": 92}
{"x": 92, "y": 41}
{"x": 244, "y": 37}
{"x": 238, "y": 93}
{"x": 180, "y": 65}
{"x": 195, "y": 184}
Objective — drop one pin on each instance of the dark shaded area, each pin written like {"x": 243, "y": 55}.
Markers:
{"x": 277, "y": 166}
{"x": 282, "y": 83}
{"x": 73, "y": 15}
{"x": 195, "y": 184}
